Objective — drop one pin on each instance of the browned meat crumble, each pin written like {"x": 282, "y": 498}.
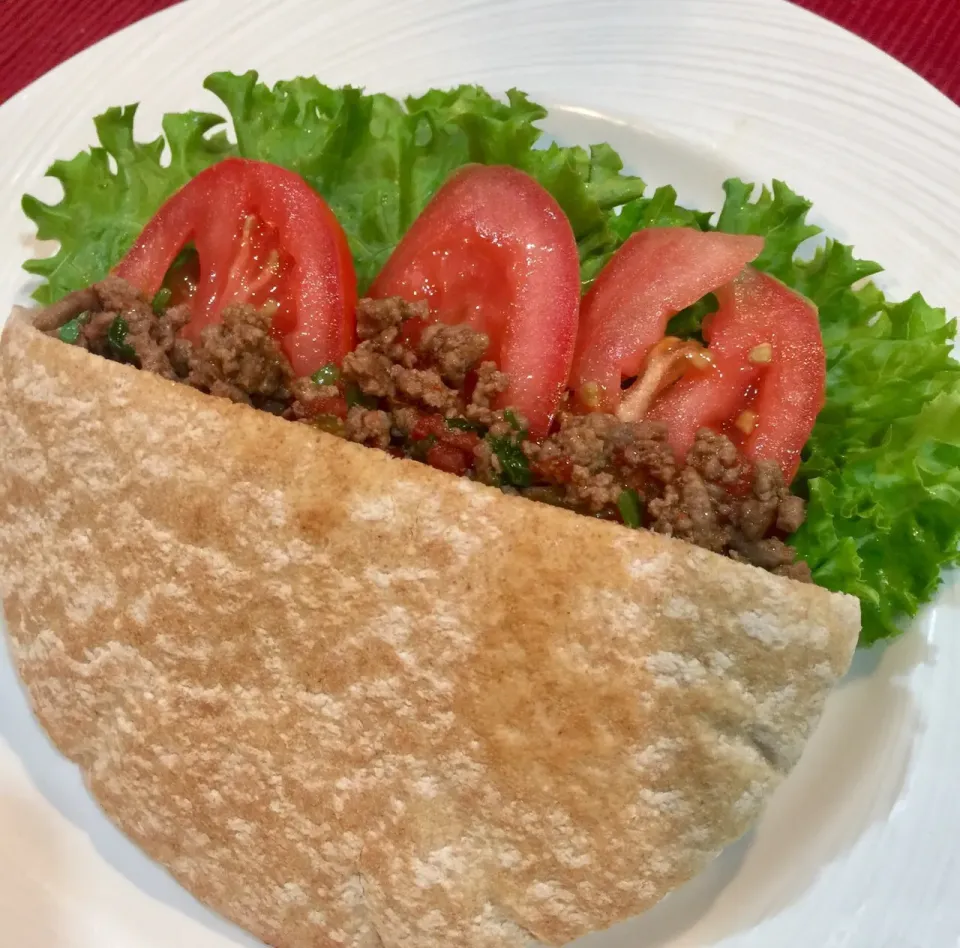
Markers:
{"x": 425, "y": 391}
{"x": 237, "y": 359}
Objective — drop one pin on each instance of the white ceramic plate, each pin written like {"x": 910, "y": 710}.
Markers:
{"x": 859, "y": 849}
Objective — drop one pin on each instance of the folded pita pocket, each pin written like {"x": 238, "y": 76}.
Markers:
{"x": 350, "y": 700}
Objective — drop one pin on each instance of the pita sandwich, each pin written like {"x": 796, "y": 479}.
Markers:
{"x": 351, "y": 700}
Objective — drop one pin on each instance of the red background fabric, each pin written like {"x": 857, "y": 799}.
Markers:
{"x": 38, "y": 34}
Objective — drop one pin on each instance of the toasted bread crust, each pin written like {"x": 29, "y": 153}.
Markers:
{"x": 351, "y": 700}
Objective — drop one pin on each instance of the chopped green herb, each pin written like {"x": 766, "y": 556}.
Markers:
{"x": 511, "y": 418}
{"x": 70, "y": 331}
{"x": 326, "y": 375}
{"x": 464, "y": 424}
{"x": 331, "y": 424}
{"x": 515, "y": 469}
{"x": 354, "y": 396}
{"x": 117, "y": 339}
{"x": 629, "y": 505}
{"x": 162, "y": 300}
{"x": 420, "y": 448}
{"x": 688, "y": 323}
{"x": 185, "y": 257}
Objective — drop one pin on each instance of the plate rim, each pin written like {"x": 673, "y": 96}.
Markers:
{"x": 938, "y": 112}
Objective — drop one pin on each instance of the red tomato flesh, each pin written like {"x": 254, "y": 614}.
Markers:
{"x": 554, "y": 470}
{"x": 430, "y": 425}
{"x": 768, "y": 361}
{"x": 452, "y": 448}
{"x": 262, "y": 235}
{"x": 493, "y": 249}
{"x": 334, "y": 405}
{"x": 449, "y": 459}
{"x": 655, "y": 274}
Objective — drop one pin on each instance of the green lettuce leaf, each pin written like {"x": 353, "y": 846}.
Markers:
{"x": 882, "y": 469}
{"x": 377, "y": 161}
{"x": 883, "y": 464}
{"x": 778, "y": 215}
{"x": 102, "y": 209}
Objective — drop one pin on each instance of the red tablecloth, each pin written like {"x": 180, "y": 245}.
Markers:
{"x": 38, "y": 34}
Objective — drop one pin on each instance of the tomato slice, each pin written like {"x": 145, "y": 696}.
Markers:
{"x": 493, "y": 249}
{"x": 766, "y": 386}
{"x": 262, "y": 235}
{"x": 655, "y": 274}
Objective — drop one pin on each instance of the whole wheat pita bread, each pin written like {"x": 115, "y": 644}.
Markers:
{"x": 350, "y": 700}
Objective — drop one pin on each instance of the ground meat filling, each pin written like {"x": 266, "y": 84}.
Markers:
{"x": 236, "y": 359}
{"x": 239, "y": 359}
{"x": 425, "y": 391}
{"x": 713, "y": 500}
{"x": 427, "y": 370}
